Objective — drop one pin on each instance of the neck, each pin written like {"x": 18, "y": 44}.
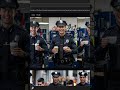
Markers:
{"x": 82, "y": 83}
{"x": 61, "y": 35}
{"x": 7, "y": 26}
{"x": 33, "y": 35}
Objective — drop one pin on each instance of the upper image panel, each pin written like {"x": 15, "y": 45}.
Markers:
{"x": 59, "y": 42}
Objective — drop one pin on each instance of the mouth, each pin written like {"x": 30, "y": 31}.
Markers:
{"x": 7, "y": 18}
{"x": 61, "y": 31}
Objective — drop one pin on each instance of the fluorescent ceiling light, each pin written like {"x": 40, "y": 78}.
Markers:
{"x": 43, "y": 23}
{"x": 83, "y": 17}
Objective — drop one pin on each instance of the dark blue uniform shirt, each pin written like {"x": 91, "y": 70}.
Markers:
{"x": 61, "y": 56}
{"x": 37, "y": 56}
{"x": 13, "y": 68}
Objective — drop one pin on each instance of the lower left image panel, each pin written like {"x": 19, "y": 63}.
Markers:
{"x": 59, "y": 78}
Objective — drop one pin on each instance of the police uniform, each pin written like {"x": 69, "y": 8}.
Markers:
{"x": 37, "y": 57}
{"x": 83, "y": 74}
{"x": 13, "y": 68}
{"x": 55, "y": 75}
{"x": 112, "y": 48}
{"x": 112, "y": 51}
{"x": 62, "y": 58}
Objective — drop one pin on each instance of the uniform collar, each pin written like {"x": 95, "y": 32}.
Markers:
{"x": 34, "y": 37}
{"x": 63, "y": 36}
{"x": 10, "y": 29}
{"x": 55, "y": 84}
{"x": 83, "y": 84}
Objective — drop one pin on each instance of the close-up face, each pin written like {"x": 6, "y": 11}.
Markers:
{"x": 7, "y": 15}
{"x": 62, "y": 30}
{"x": 40, "y": 84}
{"x": 56, "y": 80}
{"x": 117, "y": 16}
{"x": 33, "y": 30}
{"x": 82, "y": 79}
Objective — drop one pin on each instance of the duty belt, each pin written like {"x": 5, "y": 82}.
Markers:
{"x": 65, "y": 61}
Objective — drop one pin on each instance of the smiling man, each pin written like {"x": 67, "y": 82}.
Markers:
{"x": 38, "y": 47}
{"x": 63, "y": 47}
{"x": 56, "y": 81}
{"x": 14, "y": 48}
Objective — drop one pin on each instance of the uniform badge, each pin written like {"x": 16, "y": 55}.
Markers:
{"x": 67, "y": 40}
{"x": 55, "y": 72}
{"x": 61, "y": 21}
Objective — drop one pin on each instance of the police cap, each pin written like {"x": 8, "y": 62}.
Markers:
{"x": 83, "y": 74}
{"x": 55, "y": 74}
{"x": 115, "y": 4}
{"x": 61, "y": 23}
{"x": 34, "y": 23}
{"x": 9, "y": 3}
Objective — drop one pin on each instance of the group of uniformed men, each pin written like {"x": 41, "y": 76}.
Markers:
{"x": 14, "y": 46}
{"x": 56, "y": 82}
{"x": 62, "y": 47}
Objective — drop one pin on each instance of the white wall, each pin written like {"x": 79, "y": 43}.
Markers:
{"x": 81, "y": 22}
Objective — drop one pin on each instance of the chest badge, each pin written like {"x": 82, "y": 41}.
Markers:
{"x": 67, "y": 41}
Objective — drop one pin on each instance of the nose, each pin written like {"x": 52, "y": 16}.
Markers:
{"x": 7, "y": 10}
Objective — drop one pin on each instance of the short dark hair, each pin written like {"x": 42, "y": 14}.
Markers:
{"x": 41, "y": 80}
{"x": 86, "y": 23}
{"x": 70, "y": 82}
